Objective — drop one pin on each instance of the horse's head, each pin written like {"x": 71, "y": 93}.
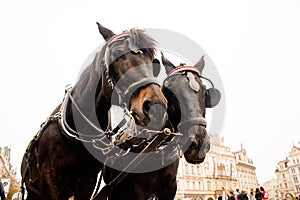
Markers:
{"x": 129, "y": 64}
{"x": 188, "y": 99}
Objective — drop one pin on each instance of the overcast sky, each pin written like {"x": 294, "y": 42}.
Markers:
{"x": 255, "y": 46}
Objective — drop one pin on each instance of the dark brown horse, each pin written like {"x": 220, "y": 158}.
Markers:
{"x": 65, "y": 156}
{"x": 188, "y": 99}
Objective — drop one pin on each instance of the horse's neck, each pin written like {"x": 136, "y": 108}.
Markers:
{"x": 92, "y": 104}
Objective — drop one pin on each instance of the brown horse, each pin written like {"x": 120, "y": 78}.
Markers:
{"x": 65, "y": 156}
{"x": 188, "y": 99}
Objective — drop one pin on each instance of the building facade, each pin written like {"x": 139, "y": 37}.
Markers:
{"x": 272, "y": 188}
{"x": 245, "y": 170}
{"x": 288, "y": 174}
{"x": 5, "y": 165}
{"x": 294, "y": 169}
{"x": 220, "y": 169}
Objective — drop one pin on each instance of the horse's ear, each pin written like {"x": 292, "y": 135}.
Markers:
{"x": 156, "y": 67}
{"x": 200, "y": 64}
{"x": 167, "y": 64}
{"x": 105, "y": 32}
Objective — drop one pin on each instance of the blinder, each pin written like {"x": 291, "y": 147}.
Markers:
{"x": 212, "y": 95}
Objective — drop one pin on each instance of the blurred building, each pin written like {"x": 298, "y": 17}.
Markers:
{"x": 246, "y": 171}
{"x": 221, "y": 168}
{"x": 5, "y": 165}
{"x": 272, "y": 188}
{"x": 6, "y": 169}
{"x": 288, "y": 174}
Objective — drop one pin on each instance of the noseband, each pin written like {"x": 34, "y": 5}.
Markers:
{"x": 112, "y": 82}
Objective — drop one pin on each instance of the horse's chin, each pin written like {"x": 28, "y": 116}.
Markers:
{"x": 193, "y": 157}
{"x": 198, "y": 147}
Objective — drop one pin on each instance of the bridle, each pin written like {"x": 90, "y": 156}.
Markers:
{"x": 110, "y": 79}
{"x": 182, "y": 70}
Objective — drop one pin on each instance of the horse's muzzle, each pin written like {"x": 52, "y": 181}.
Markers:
{"x": 198, "y": 147}
{"x": 149, "y": 107}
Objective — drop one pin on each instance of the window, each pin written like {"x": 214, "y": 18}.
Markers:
{"x": 221, "y": 170}
{"x": 293, "y": 170}
{"x": 201, "y": 186}
{"x": 283, "y": 176}
{"x": 197, "y": 186}
{"x": 181, "y": 185}
{"x": 208, "y": 185}
{"x": 281, "y": 167}
{"x": 298, "y": 188}
{"x": 192, "y": 184}
{"x": 285, "y": 184}
{"x": 295, "y": 179}
{"x": 186, "y": 184}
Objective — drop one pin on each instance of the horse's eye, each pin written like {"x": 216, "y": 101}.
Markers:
{"x": 118, "y": 54}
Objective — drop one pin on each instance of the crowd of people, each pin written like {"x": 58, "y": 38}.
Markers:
{"x": 259, "y": 194}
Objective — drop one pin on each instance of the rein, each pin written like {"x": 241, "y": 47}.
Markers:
{"x": 67, "y": 129}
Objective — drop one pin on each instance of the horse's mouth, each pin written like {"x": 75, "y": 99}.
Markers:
{"x": 140, "y": 119}
{"x": 197, "y": 148}
{"x": 153, "y": 118}
{"x": 195, "y": 156}
{"x": 190, "y": 159}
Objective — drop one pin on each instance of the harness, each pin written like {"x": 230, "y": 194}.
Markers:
{"x": 111, "y": 81}
{"x": 186, "y": 70}
{"x": 99, "y": 141}
{"x": 159, "y": 138}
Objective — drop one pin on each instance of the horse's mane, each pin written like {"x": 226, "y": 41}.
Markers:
{"x": 91, "y": 76}
{"x": 142, "y": 41}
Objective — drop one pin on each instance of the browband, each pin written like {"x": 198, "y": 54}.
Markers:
{"x": 183, "y": 69}
{"x": 117, "y": 37}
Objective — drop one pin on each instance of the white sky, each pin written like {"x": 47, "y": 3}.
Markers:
{"x": 254, "y": 45}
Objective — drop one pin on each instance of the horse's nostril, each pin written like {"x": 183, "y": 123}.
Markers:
{"x": 146, "y": 106}
{"x": 194, "y": 144}
{"x": 208, "y": 148}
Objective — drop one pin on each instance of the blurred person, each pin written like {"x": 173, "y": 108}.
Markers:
{"x": 243, "y": 195}
{"x": 224, "y": 194}
{"x": 231, "y": 195}
{"x": 265, "y": 194}
{"x": 258, "y": 194}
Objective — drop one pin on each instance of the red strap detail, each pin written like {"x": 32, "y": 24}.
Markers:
{"x": 183, "y": 69}
{"x": 116, "y": 37}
